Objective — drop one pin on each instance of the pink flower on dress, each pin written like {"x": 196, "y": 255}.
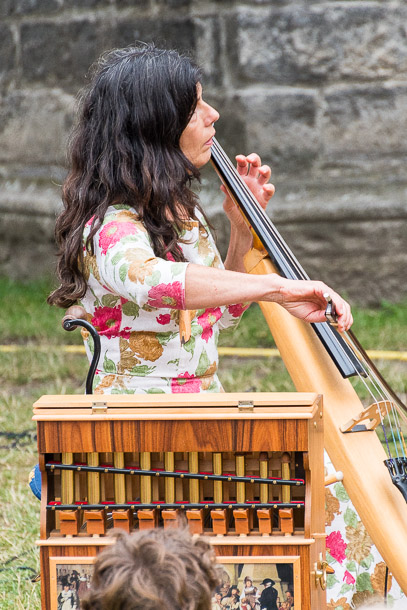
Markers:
{"x": 237, "y": 310}
{"x": 348, "y": 578}
{"x": 125, "y": 332}
{"x": 113, "y": 232}
{"x": 166, "y": 295}
{"x": 207, "y": 320}
{"x": 185, "y": 383}
{"x": 164, "y": 318}
{"x": 107, "y": 320}
{"x": 336, "y": 546}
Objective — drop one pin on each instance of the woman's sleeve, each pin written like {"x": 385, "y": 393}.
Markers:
{"x": 128, "y": 267}
{"x": 232, "y": 315}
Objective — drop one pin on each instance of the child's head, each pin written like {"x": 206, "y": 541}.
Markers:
{"x": 154, "y": 570}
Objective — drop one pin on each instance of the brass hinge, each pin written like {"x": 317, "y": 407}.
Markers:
{"x": 245, "y": 406}
{"x": 99, "y": 407}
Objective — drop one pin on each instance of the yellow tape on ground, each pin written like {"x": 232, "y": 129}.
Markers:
{"x": 67, "y": 349}
{"x": 249, "y": 352}
{"x": 237, "y": 352}
{"x": 256, "y": 352}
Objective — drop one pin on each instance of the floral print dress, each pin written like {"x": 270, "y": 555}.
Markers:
{"x": 133, "y": 300}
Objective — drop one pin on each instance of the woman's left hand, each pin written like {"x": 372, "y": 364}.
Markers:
{"x": 257, "y": 177}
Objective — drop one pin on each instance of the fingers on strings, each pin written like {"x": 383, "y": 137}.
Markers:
{"x": 251, "y": 166}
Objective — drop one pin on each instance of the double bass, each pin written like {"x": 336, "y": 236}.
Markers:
{"x": 320, "y": 359}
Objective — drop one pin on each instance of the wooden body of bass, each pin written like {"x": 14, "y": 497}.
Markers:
{"x": 359, "y": 455}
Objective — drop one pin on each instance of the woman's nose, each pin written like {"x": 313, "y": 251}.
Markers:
{"x": 213, "y": 115}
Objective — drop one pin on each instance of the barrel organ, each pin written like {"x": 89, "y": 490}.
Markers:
{"x": 245, "y": 470}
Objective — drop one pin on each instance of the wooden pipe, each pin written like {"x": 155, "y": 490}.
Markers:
{"x": 335, "y": 477}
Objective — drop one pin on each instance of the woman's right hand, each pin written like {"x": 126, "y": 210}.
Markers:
{"x": 305, "y": 299}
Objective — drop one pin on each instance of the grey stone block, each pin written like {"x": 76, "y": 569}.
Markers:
{"x": 59, "y": 54}
{"x": 169, "y": 33}
{"x": 281, "y": 126}
{"x": 318, "y": 43}
{"x": 7, "y": 54}
{"x": 146, "y": 4}
{"x": 30, "y": 252}
{"x": 174, "y": 3}
{"x": 34, "y": 126}
{"x": 28, "y": 211}
{"x": 97, "y": 4}
{"x": 208, "y": 49}
{"x": 11, "y": 8}
{"x": 365, "y": 119}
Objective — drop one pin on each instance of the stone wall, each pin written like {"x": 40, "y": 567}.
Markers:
{"x": 319, "y": 89}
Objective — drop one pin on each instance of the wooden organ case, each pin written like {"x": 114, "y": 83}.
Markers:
{"x": 246, "y": 470}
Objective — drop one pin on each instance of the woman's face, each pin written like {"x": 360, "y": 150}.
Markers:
{"x": 196, "y": 139}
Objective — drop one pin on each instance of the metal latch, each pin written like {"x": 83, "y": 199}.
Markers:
{"x": 245, "y": 406}
{"x": 99, "y": 407}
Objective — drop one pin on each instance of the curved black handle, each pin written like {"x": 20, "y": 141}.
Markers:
{"x": 71, "y": 324}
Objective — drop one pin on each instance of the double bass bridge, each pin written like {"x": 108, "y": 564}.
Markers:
{"x": 368, "y": 419}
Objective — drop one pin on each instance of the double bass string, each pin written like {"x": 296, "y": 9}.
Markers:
{"x": 371, "y": 378}
{"x": 386, "y": 395}
{"x": 280, "y": 253}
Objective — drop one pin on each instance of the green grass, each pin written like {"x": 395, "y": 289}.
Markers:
{"x": 30, "y": 372}
{"x": 25, "y": 315}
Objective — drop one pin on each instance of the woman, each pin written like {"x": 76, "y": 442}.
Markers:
{"x": 66, "y": 599}
{"x": 248, "y": 588}
{"x": 134, "y": 244}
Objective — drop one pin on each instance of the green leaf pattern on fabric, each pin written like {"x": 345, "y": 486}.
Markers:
{"x": 363, "y": 582}
{"x": 131, "y": 309}
{"x": 340, "y": 492}
{"x": 350, "y": 517}
{"x": 123, "y": 272}
{"x": 203, "y": 364}
{"x": 110, "y": 300}
{"x": 108, "y": 365}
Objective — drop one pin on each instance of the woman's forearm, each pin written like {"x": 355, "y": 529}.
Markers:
{"x": 304, "y": 299}
{"x": 239, "y": 245}
{"x": 211, "y": 287}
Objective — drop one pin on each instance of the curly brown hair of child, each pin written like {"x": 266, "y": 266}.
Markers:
{"x": 154, "y": 569}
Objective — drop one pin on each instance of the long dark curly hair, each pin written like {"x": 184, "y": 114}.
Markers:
{"x": 125, "y": 149}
